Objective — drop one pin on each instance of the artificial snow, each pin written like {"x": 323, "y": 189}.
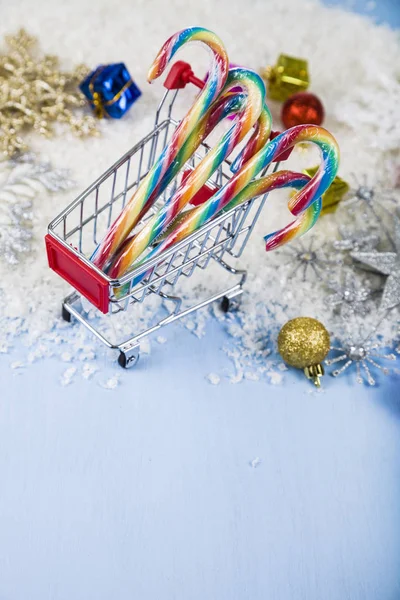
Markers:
{"x": 111, "y": 383}
{"x": 68, "y": 376}
{"x": 88, "y": 370}
{"x": 213, "y": 378}
{"x": 17, "y": 364}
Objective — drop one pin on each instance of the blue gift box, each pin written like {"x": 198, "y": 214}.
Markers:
{"x": 110, "y": 90}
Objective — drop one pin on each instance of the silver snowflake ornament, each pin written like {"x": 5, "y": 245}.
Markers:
{"x": 21, "y": 181}
{"x": 305, "y": 259}
{"x": 363, "y": 356}
{"x": 26, "y": 167}
{"x": 362, "y": 193}
{"x": 367, "y": 195}
{"x": 351, "y": 297}
{"x": 387, "y": 263}
{"x": 356, "y": 240}
{"x": 378, "y": 201}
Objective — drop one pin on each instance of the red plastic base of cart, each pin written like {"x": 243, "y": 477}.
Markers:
{"x": 87, "y": 282}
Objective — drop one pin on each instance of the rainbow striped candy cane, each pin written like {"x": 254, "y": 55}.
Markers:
{"x": 251, "y": 83}
{"x": 215, "y": 83}
{"x": 264, "y": 185}
{"x": 305, "y": 221}
{"x": 300, "y": 202}
{"x": 227, "y": 104}
{"x": 256, "y": 142}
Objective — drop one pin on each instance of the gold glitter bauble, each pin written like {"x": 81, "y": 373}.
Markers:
{"x": 303, "y": 342}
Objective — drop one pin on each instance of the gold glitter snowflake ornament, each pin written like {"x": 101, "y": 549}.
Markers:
{"x": 34, "y": 93}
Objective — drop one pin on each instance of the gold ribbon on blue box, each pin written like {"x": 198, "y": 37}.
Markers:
{"x": 110, "y": 90}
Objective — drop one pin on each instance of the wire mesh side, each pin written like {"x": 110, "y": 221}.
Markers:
{"x": 84, "y": 223}
{"x": 209, "y": 243}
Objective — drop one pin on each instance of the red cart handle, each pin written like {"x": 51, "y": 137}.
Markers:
{"x": 180, "y": 75}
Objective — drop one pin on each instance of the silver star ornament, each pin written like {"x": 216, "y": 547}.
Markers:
{"x": 387, "y": 263}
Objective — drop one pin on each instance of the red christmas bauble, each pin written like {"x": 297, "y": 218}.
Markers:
{"x": 301, "y": 109}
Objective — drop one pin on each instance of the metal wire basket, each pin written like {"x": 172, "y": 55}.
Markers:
{"x": 75, "y": 233}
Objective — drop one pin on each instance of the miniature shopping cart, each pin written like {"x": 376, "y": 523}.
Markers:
{"x": 76, "y": 232}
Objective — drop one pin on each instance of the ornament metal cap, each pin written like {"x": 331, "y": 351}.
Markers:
{"x": 315, "y": 373}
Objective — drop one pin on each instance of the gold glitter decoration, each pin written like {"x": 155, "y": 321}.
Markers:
{"x": 34, "y": 93}
{"x": 304, "y": 343}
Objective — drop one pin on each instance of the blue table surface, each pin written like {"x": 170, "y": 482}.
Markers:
{"x": 148, "y": 491}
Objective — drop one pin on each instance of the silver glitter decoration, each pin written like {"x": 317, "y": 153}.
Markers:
{"x": 362, "y": 355}
{"x": 356, "y": 240}
{"x": 27, "y": 167}
{"x": 21, "y": 181}
{"x": 367, "y": 195}
{"x": 387, "y": 263}
{"x": 306, "y": 260}
{"x": 374, "y": 200}
{"x": 351, "y": 297}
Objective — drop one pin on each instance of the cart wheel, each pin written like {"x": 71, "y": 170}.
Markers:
{"x": 225, "y": 304}
{"x": 229, "y": 304}
{"x": 65, "y": 314}
{"x": 126, "y": 362}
